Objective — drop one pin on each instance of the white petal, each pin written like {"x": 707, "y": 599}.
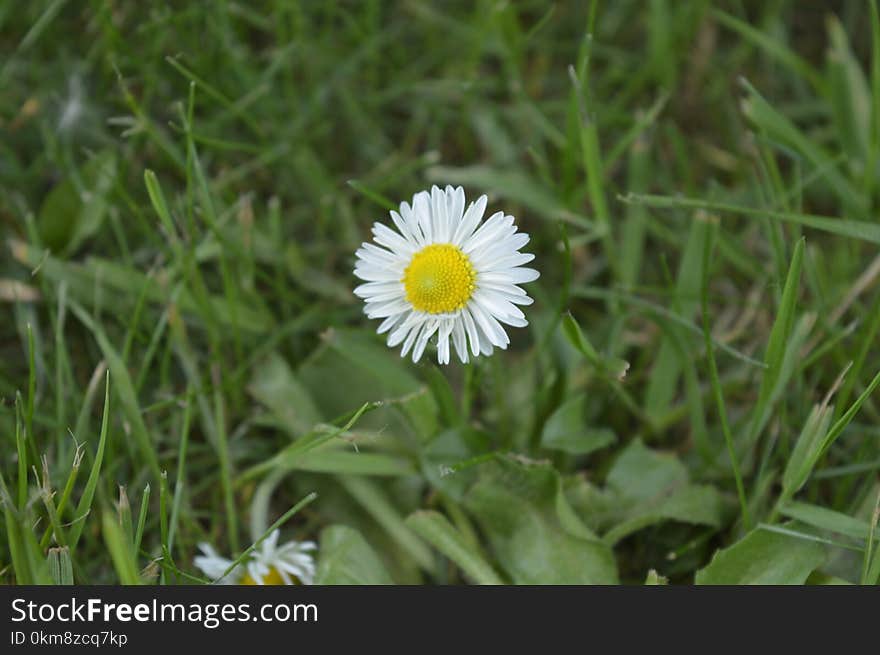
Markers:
{"x": 517, "y": 298}
{"x": 472, "y": 331}
{"x": 490, "y": 327}
{"x": 412, "y": 222}
{"x": 439, "y": 215}
{"x": 428, "y": 331}
{"x": 510, "y": 276}
{"x": 496, "y": 305}
{"x": 422, "y": 213}
{"x": 459, "y": 339}
{"x": 375, "y": 274}
{"x": 392, "y": 240}
{"x": 411, "y": 339}
{"x": 403, "y": 227}
{"x": 373, "y": 254}
{"x": 403, "y": 331}
{"x": 381, "y": 310}
{"x": 498, "y": 228}
{"x": 469, "y": 222}
{"x": 501, "y": 262}
{"x": 375, "y": 288}
{"x": 389, "y": 323}
{"x": 386, "y": 296}
{"x": 455, "y": 207}
{"x": 445, "y": 332}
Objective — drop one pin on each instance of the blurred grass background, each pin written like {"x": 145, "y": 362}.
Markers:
{"x": 183, "y": 186}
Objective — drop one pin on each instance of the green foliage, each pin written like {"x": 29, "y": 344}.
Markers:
{"x": 763, "y": 557}
{"x": 182, "y": 359}
{"x": 346, "y": 558}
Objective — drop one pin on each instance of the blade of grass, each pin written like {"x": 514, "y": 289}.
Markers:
{"x": 853, "y": 229}
{"x": 716, "y": 383}
{"x": 436, "y": 529}
{"x": 277, "y": 525}
{"x": 85, "y": 502}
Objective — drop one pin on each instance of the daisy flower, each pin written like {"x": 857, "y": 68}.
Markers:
{"x": 442, "y": 274}
{"x": 268, "y": 564}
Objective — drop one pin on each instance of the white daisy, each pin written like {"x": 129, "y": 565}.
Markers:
{"x": 268, "y": 564}
{"x": 442, "y": 273}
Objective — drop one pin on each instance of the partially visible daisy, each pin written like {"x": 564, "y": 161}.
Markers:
{"x": 443, "y": 275}
{"x": 268, "y": 564}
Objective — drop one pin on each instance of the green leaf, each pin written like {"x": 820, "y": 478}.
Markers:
{"x": 275, "y": 385}
{"x": 120, "y": 550}
{"x": 777, "y": 345}
{"x": 125, "y": 391}
{"x": 517, "y": 505}
{"x": 329, "y": 459}
{"x": 371, "y": 372}
{"x": 774, "y": 47}
{"x": 447, "y": 460}
{"x": 612, "y": 366}
{"x": 844, "y": 227}
{"x": 347, "y": 559}
{"x": 849, "y": 96}
{"x": 807, "y": 450}
{"x": 85, "y": 502}
{"x": 763, "y": 557}
{"x": 778, "y": 127}
{"x": 60, "y": 565}
{"x": 649, "y": 487}
{"x": 75, "y": 209}
{"x": 827, "y": 519}
{"x": 436, "y": 529}
{"x": 376, "y": 502}
{"x": 565, "y": 430}
{"x": 663, "y": 382}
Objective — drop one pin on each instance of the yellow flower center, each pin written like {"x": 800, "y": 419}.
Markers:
{"x": 439, "y": 279}
{"x": 272, "y": 578}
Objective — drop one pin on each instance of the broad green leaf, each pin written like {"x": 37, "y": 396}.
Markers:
{"x": 650, "y": 487}
{"x": 819, "y": 578}
{"x": 566, "y": 430}
{"x": 345, "y": 558}
{"x": 276, "y": 386}
{"x": 763, "y": 557}
{"x": 449, "y": 459}
{"x": 517, "y": 505}
{"x": 371, "y": 372}
{"x": 74, "y": 210}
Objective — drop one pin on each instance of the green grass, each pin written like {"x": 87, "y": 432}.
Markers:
{"x": 182, "y": 359}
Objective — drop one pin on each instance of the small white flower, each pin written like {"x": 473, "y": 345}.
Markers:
{"x": 268, "y": 564}
{"x": 442, "y": 273}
